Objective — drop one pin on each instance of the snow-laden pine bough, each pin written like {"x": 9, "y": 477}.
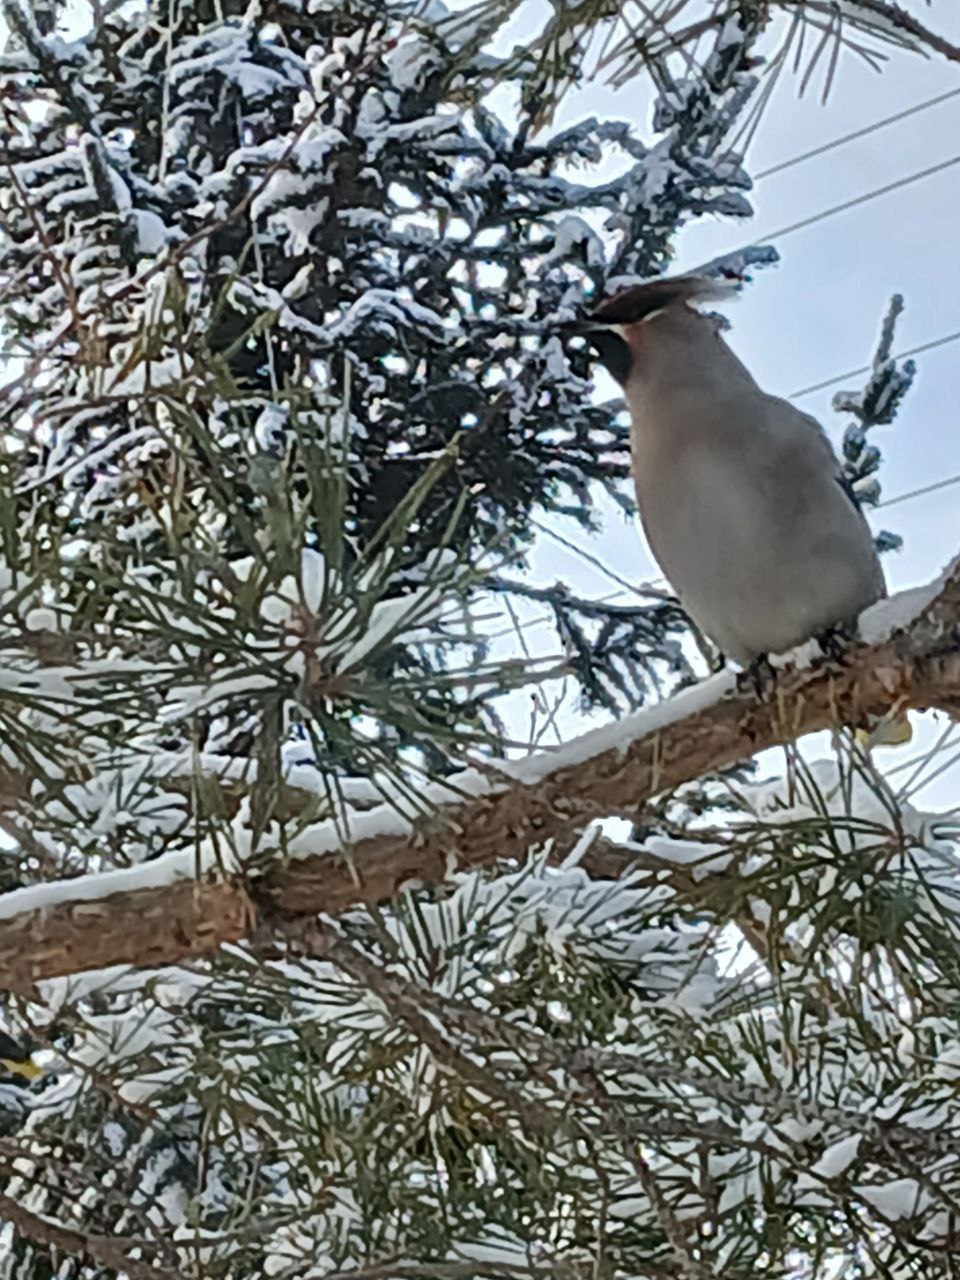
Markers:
{"x": 187, "y": 904}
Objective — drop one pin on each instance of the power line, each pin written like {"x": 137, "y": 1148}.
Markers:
{"x": 858, "y": 133}
{"x": 848, "y": 204}
{"x": 639, "y": 589}
{"x": 916, "y": 493}
{"x": 867, "y": 368}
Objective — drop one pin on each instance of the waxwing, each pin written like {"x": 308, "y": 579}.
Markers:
{"x": 741, "y": 496}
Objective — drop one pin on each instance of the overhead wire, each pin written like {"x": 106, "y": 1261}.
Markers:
{"x": 866, "y": 368}
{"x": 842, "y": 141}
{"x": 919, "y": 493}
{"x": 853, "y": 203}
{"x": 867, "y": 196}
{"x": 845, "y": 205}
{"x": 856, "y": 201}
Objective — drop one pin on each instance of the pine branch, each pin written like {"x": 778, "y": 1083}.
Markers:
{"x": 69, "y": 926}
{"x": 892, "y": 15}
{"x": 878, "y": 17}
{"x": 472, "y": 1032}
{"x": 642, "y": 38}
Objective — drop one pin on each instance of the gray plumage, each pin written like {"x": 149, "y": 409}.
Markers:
{"x": 740, "y": 494}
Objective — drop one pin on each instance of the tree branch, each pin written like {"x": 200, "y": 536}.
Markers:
{"x": 160, "y": 914}
{"x": 882, "y": 18}
{"x": 883, "y": 12}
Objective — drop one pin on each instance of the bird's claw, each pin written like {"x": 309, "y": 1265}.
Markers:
{"x": 835, "y": 642}
{"x": 759, "y": 678}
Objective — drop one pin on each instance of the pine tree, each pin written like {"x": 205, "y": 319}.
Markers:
{"x": 283, "y": 301}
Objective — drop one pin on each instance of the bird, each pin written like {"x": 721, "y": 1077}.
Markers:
{"x": 741, "y": 497}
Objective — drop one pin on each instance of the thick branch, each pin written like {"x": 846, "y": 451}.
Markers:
{"x": 158, "y": 915}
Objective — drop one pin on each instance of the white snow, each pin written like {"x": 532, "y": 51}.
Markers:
{"x": 704, "y": 858}
{"x": 40, "y": 619}
{"x": 149, "y": 875}
{"x": 881, "y": 620}
{"x": 572, "y": 233}
{"x": 152, "y": 231}
{"x": 270, "y": 426}
{"x": 121, "y": 192}
{"x": 903, "y": 1198}
{"x": 389, "y": 618}
{"x": 299, "y": 286}
{"x": 409, "y": 62}
{"x": 838, "y": 1157}
{"x": 622, "y": 733}
{"x": 114, "y": 1138}
{"x": 313, "y": 574}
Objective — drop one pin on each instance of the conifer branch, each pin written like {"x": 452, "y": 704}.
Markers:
{"x": 68, "y": 926}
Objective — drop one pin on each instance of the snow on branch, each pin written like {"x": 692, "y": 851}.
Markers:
{"x": 110, "y": 1251}
{"x": 182, "y": 905}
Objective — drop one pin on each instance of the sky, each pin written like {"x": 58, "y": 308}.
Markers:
{"x": 818, "y": 313}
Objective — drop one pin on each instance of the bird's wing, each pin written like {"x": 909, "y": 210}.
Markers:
{"x": 819, "y": 441}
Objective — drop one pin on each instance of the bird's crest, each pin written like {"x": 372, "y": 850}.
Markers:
{"x": 641, "y": 300}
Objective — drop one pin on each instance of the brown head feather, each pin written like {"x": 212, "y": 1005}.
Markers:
{"x": 641, "y": 300}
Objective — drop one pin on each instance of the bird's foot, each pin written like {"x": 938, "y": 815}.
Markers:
{"x": 759, "y": 678}
{"x": 835, "y": 642}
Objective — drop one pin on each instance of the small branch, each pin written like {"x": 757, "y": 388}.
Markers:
{"x": 882, "y": 18}
{"x": 403, "y": 999}
{"x": 452, "y": 1026}
{"x": 894, "y": 16}
{"x": 156, "y": 914}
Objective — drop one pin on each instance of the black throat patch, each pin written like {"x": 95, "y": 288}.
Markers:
{"x": 615, "y": 355}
